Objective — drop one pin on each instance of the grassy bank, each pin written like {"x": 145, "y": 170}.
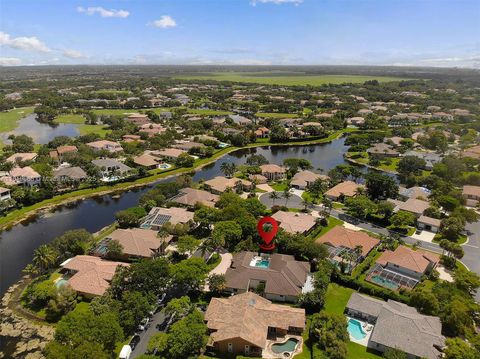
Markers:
{"x": 9, "y": 119}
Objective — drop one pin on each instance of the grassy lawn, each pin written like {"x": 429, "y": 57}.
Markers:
{"x": 438, "y": 238}
{"x": 390, "y": 165}
{"x": 98, "y": 129}
{"x": 357, "y": 351}
{"x": 209, "y": 112}
{"x": 8, "y": 120}
{"x": 337, "y": 298}
{"x": 276, "y": 115}
{"x": 332, "y": 222}
{"x": 337, "y": 205}
{"x": 279, "y": 187}
{"x": 286, "y": 79}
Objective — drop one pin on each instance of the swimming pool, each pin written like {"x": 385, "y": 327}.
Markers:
{"x": 384, "y": 282}
{"x": 262, "y": 263}
{"x": 288, "y": 346}
{"x": 355, "y": 329}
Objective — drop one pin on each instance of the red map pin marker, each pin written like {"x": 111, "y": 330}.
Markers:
{"x": 267, "y": 236}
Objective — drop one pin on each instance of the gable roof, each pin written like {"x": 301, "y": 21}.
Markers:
{"x": 21, "y": 157}
{"x": 220, "y": 184}
{"x": 71, "y": 172}
{"x": 405, "y": 257}
{"x": 340, "y": 236}
{"x": 284, "y": 275}
{"x": 93, "y": 274}
{"x": 272, "y": 168}
{"x": 248, "y": 316}
{"x": 471, "y": 191}
{"x": 303, "y": 178}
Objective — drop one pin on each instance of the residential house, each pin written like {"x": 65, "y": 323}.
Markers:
{"x": 303, "y": 179}
{"x": 147, "y": 160}
{"x": 138, "y": 242}
{"x": 295, "y": 222}
{"x": 138, "y": 119}
{"x": 473, "y": 152}
{"x": 111, "y": 169}
{"x": 89, "y": 276}
{"x": 273, "y": 172}
{"x": 4, "y": 193}
{"x": 402, "y": 268}
{"x": 69, "y": 174}
{"x": 341, "y": 240}
{"x": 398, "y": 326}
{"x": 158, "y": 216}
{"x": 412, "y": 205}
{"x": 242, "y": 324}
{"x": 188, "y": 145}
{"x": 131, "y": 138}
{"x": 430, "y": 158}
{"x": 220, "y": 184}
{"x": 240, "y": 120}
{"x": 428, "y": 223}
{"x": 343, "y": 189}
{"x": 105, "y": 145}
{"x": 279, "y": 276}
{"x": 169, "y": 154}
{"x": 257, "y": 179}
{"x": 62, "y": 152}
{"x": 383, "y": 150}
{"x": 190, "y": 197}
{"x": 22, "y": 157}
{"x": 471, "y": 194}
{"x": 26, "y": 176}
{"x": 152, "y": 129}
{"x": 415, "y": 192}
{"x": 262, "y": 132}
{"x": 355, "y": 121}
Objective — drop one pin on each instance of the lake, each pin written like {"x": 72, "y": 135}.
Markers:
{"x": 18, "y": 243}
{"x": 41, "y": 133}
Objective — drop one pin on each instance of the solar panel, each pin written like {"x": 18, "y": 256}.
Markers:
{"x": 161, "y": 219}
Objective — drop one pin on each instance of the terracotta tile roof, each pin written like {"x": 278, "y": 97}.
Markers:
{"x": 27, "y": 172}
{"x": 405, "y": 257}
{"x": 146, "y": 160}
{"x": 93, "y": 274}
{"x": 347, "y": 188}
{"x": 294, "y": 222}
{"x": 303, "y": 178}
{"x": 340, "y": 236}
{"x": 175, "y": 215}
{"x": 138, "y": 242}
{"x": 413, "y": 205}
{"x": 471, "y": 191}
{"x": 284, "y": 275}
{"x": 169, "y": 152}
{"x": 271, "y": 168}
{"x": 65, "y": 149}
{"x": 220, "y": 184}
{"x": 429, "y": 221}
{"x": 191, "y": 196}
{"x": 21, "y": 157}
{"x": 248, "y": 316}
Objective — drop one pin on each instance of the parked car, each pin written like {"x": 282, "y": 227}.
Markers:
{"x": 143, "y": 324}
{"x": 125, "y": 352}
{"x": 134, "y": 341}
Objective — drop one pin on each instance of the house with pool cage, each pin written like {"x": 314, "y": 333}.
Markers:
{"x": 347, "y": 247}
{"x": 402, "y": 268}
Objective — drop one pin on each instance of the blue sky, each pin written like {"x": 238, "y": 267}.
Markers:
{"x": 370, "y": 32}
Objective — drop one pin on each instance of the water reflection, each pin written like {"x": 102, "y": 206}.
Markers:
{"x": 41, "y": 132}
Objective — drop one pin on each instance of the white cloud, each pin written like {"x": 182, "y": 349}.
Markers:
{"x": 9, "y": 61}
{"x": 23, "y": 43}
{"x": 164, "y": 22}
{"x": 73, "y": 54}
{"x": 276, "y": 2}
{"x": 92, "y": 10}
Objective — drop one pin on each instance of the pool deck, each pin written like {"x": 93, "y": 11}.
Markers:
{"x": 365, "y": 340}
{"x": 269, "y": 354}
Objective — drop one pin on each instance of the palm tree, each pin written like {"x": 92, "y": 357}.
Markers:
{"x": 287, "y": 195}
{"x": 358, "y": 251}
{"x": 44, "y": 257}
{"x": 273, "y": 196}
{"x": 327, "y": 205}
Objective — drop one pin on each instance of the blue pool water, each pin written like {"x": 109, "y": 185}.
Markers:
{"x": 264, "y": 263}
{"x": 288, "y": 346}
{"x": 384, "y": 282}
{"x": 355, "y": 329}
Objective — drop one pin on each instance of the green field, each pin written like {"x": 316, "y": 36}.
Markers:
{"x": 286, "y": 79}
{"x": 82, "y": 127}
{"x": 276, "y": 115}
{"x": 8, "y": 120}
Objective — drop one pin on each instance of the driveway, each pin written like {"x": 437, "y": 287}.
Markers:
{"x": 424, "y": 236}
{"x": 221, "y": 268}
{"x": 293, "y": 202}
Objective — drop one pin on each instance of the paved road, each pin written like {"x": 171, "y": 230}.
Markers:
{"x": 472, "y": 251}
{"x": 145, "y": 335}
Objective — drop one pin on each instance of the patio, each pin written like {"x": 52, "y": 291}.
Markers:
{"x": 270, "y": 354}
